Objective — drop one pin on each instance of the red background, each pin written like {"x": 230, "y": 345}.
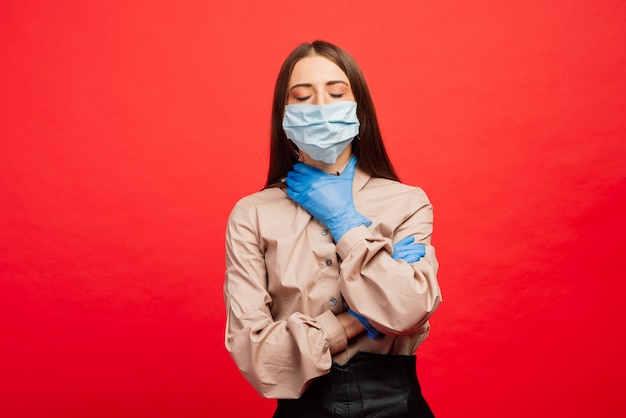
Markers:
{"x": 129, "y": 129}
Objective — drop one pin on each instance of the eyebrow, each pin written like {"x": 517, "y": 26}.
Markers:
{"x": 330, "y": 83}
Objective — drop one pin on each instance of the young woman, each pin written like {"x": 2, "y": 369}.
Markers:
{"x": 330, "y": 272}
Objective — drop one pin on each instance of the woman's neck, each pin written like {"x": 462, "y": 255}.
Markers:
{"x": 333, "y": 168}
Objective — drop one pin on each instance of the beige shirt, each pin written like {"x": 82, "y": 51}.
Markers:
{"x": 286, "y": 280}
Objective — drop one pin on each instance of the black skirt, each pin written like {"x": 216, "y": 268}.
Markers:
{"x": 368, "y": 385}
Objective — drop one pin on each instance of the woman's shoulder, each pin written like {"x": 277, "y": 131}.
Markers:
{"x": 392, "y": 189}
{"x": 270, "y": 198}
{"x": 266, "y": 196}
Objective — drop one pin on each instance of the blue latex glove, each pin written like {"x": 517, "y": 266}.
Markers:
{"x": 326, "y": 196}
{"x": 371, "y": 331}
{"x": 408, "y": 251}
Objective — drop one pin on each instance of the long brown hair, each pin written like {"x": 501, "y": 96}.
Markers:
{"x": 368, "y": 148}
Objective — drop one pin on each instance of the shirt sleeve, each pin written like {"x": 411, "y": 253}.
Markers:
{"x": 277, "y": 357}
{"x": 396, "y": 297}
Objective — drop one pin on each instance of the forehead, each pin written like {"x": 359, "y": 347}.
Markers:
{"x": 316, "y": 69}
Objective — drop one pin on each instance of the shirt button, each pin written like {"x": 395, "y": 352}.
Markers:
{"x": 324, "y": 231}
{"x": 329, "y": 262}
{"x": 332, "y": 301}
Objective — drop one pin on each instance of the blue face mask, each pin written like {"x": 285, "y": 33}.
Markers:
{"x": 321, "y": 131}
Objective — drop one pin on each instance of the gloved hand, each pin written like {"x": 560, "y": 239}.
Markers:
{"x": 371, "y": 331}
{"x": 327, "y": 197}
{"x": 406, "y": 250}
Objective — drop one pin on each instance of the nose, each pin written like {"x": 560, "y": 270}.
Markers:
{"x": 320, "y": 97}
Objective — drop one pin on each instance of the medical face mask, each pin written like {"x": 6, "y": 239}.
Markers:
{"x": 321, "y": 131}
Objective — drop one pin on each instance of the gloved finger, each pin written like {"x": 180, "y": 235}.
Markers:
{"x": 406, "y": 241}
{"x": 410, "y": 253}
{"x": 418, "y": 249}
{"x": 292, "y": 195}
{"x": 297, "y": 182}
{"x": 413, "y": 259}
{"x": 291, "y": 183}
{"x": 308, "y": 170}
{"x": 399, "y": 255}
{"x": 410, "y": 257}
{"x": 312, "y": 179}
{"x": 311, "y": 183}
{"x": 402, "y": 243}
{"x": 301, "y": 199}
{"x": 407, "y": 250}
{"x": 295, "y": 186}
{"x": 406, "y": 255}
{"x": 297, "y": 177}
